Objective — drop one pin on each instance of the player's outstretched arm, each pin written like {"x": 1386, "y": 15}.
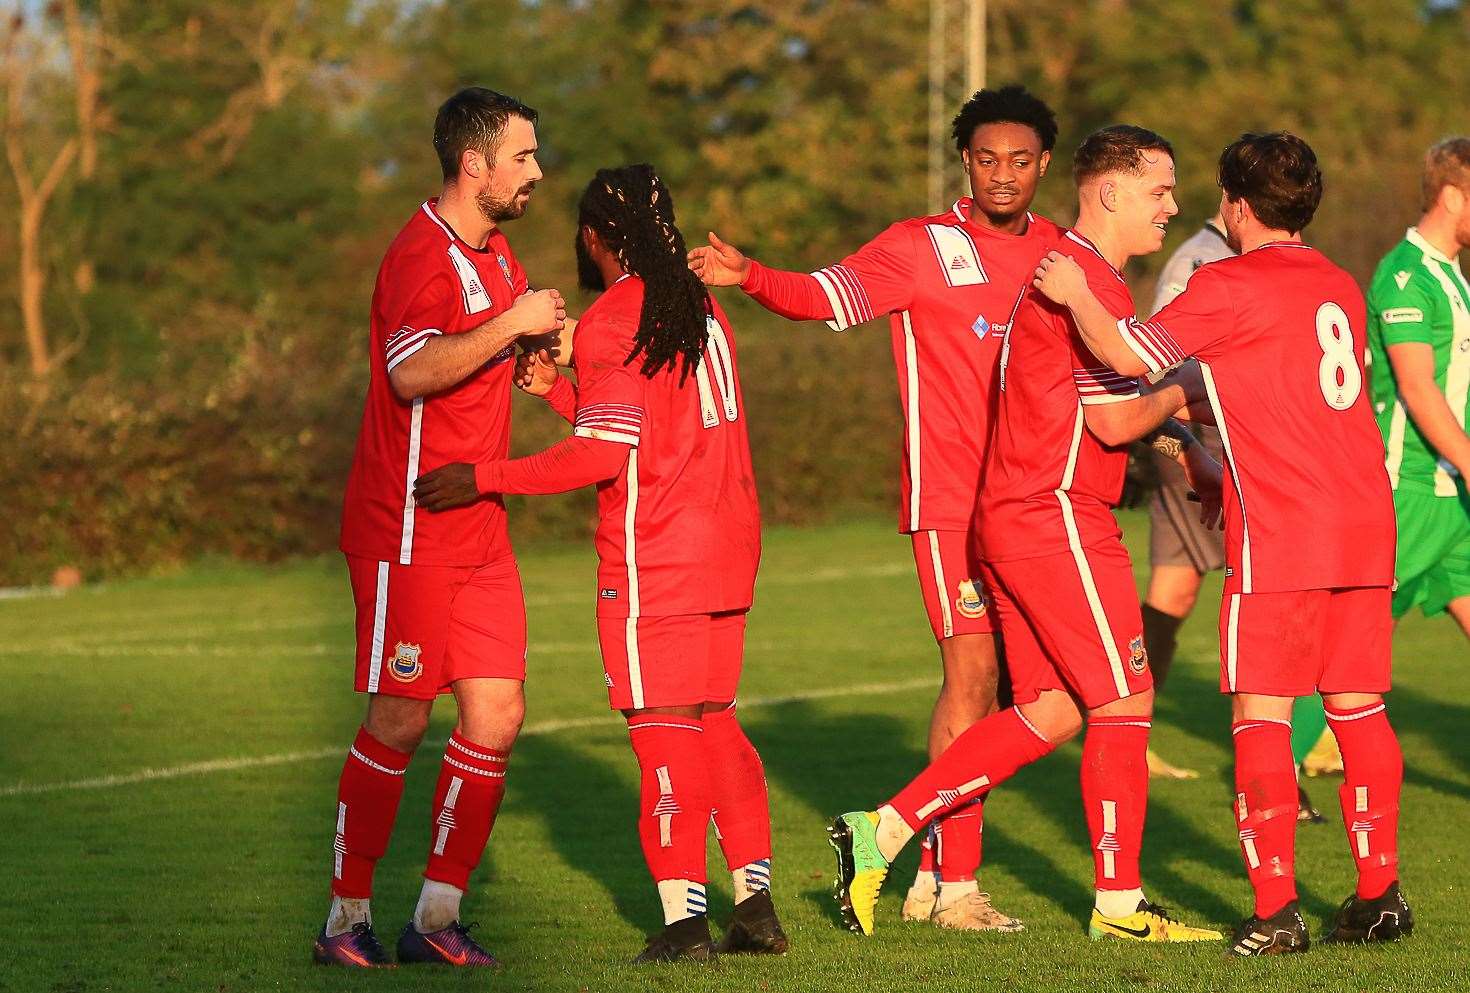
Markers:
{"x": 1413, "y": 371}
{"x": 796, "y": 296}
{"x": 448, "y": 358}
{"x": 536, "y": 373}
{"x": 719, "y": 263}
{"x": 1062, "y": 281}
{"x": 568, "y": 465}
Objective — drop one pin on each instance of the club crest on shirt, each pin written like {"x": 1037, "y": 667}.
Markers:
{"x": 1137, "y": 657}
{"x": 405, "y": 666}
{"x": 505, "y": 268}
{"x": 969, "y": 603}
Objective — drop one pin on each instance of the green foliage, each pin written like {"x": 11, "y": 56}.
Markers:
{"x": 213, "y": 274}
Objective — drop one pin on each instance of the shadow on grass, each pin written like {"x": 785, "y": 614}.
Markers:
{"x": 589, "y": 808}
{"x": 837, "y": 762}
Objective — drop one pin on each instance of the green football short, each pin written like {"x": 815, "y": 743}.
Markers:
{"x": 1433, "y": 561}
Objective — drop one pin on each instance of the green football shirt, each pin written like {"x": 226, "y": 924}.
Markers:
{"x": 1419, "y": 294}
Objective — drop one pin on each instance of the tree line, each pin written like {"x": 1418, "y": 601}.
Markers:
{"x": 198, "y": 192}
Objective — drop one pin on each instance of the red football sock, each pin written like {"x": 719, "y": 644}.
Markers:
{"x": 926, "y": 852}
{"x": 1265, "y": 810}
{"x": 674, "y": 806}
{"x": 1115, "y": 796}
{"x": 471, "y": 786}
{"x": 367, "y": 802}
{"x": 742, "y": 808}
{"x": 1373, "y": 775}
{"x": 957, "y": 837}
{"x": 987, "y": 754}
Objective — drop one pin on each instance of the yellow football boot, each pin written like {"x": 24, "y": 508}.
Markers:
{"x": 1149, "y": 922}
{"x": 861, "y": 868}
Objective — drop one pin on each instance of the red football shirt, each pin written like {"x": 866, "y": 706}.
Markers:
{"x": 1280, "y": 334}
{"x": 678, "y": 529}
{"x": 949, "y": 286}
{"x": 431, "y": 283}
{"x": 1049, "y": 484}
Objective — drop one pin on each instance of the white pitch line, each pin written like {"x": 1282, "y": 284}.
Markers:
{"x": 317, "y": 754}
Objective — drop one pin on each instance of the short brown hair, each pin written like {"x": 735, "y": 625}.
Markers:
{"x": 1446, "y": 164}
{"x": 1118, "y": 148}
{"x": 474, "y": 118}
{"x": 1277, "y": 174}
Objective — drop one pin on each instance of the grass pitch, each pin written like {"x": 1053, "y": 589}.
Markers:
{"x": 169, "y": 751}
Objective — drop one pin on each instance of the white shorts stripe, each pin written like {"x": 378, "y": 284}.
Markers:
{"x": 1084, "y": 570}
{"x": 630, "y": 554}
{"x": 380, "y": 621}
{"x": 1232, "y": 640}
{"x": 941, "y": 584}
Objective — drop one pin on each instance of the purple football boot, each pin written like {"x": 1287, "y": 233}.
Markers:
{"x": 448, "y": 946}
{"x": 358, "y": 948}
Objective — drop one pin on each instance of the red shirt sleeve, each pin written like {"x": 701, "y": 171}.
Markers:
{"x": 563, "y": 398}
{"x": 609, "y": 388}
{"x": 1095, "y": 381}
{"x": 431, "y": 311}
{"x": 568, "y": 465}
{"x": 1194, "y": 323}
{"x": 876, "y": 279}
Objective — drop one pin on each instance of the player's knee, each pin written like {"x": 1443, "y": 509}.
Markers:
{"x": 492, "y": 712}
{"x": 1054, "y": 714}
{"x": 400, "y": 727}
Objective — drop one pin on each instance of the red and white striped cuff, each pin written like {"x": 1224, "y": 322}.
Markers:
{"x": 1102, "y": 385}
{"x": 1152, "y": 343}
{"x": 620, "y": 422}
{"x": 404, "y": 342}
{"x": 476, "y": 760}
{"x": 850, "y": 305}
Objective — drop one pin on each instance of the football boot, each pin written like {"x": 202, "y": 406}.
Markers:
{"x": 1149, "y": 922}
{"x": 1384, "y": 918}
{"x": 1284, "y": 932}
{"x": 356, "y": 948}
{"x": 447, "y": 946}
{"x": 754, "y": 929}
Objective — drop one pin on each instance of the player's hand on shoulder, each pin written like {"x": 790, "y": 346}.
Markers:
{"x": 536, "y": 372}
{"x": 1060, "y": 278}
{"x": 540, "y": 312}
{"x": 448, "y": 486}
{"x": 718, "y": 263}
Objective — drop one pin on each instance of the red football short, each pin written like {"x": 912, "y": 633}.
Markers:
{"x": 671, "y": 661}
{"x": 1071, "y": 621}
{"x": 1307, "y": 641}
{"x": 421, "y": 627}
{"x": 949, "y": 578}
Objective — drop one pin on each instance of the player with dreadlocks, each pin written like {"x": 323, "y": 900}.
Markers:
{"x": 659, "y": 425}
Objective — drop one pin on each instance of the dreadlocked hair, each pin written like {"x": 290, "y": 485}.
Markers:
{"x": 631, "y": 210}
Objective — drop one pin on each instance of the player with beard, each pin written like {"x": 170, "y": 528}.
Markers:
{"x": 439, "y": 604}
{"x": 949, "y": 283}
{"x": 659, "y": 425}
{"x": 1280, "y": 334}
